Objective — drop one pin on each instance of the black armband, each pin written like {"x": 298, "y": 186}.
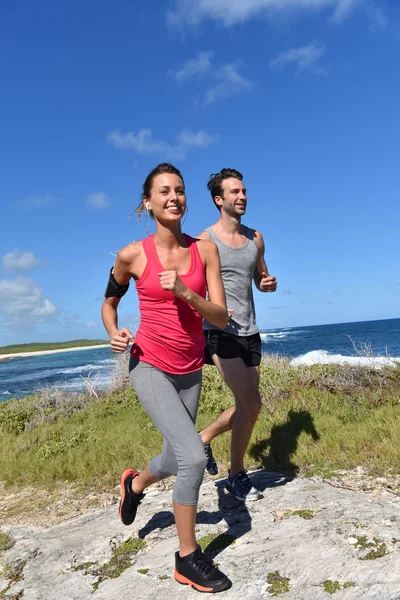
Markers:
{"x": 115, "y": 289}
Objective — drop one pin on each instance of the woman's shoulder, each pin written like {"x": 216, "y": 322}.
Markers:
{"x": 206, "y": 248}
{"x": 131, "y": 251}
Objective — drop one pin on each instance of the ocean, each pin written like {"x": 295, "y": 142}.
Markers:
{"x": 306, "y": 345}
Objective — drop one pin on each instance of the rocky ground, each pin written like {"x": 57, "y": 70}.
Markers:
{"x": 305, "y": 540}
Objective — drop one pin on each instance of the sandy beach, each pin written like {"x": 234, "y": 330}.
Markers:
{"x": 40, "y": 352}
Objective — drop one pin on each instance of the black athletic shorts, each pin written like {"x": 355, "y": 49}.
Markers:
{"x": 227, "y": 345}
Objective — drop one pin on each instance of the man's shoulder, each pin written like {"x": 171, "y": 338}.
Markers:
{"x": 205, "y": 234}
{"x": 255, "y": 235}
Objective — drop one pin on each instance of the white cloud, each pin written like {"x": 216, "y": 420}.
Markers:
{"x": 377, "y": 17}
{"x": 98, "y": 200}
{"x": 305, "y": 58}
{"x": 144, "y": 143}
{"x": 287, "y": 292}
{"x": 23, "y": 304}
{"x": 18, "y": 260}
{"x": 229, "y": 81}
{"x": 194, "y": 67}
{"x": 39, "y": 201}
{"x": 230, "y": 12}
{"x": 90, "y": 324}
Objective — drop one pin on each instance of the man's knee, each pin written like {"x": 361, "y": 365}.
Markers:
{"x": 249, "y": 404}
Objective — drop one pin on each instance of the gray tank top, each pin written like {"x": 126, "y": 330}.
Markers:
{"x": 237, "y": 269}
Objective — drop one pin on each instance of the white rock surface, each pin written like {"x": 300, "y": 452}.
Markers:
{"x": 308, "y": 552}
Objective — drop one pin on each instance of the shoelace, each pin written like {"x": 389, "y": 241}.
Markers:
{"x": 244, "y": 480}
{"x": 203, "y": 563}
{"x": 207, "y": 449}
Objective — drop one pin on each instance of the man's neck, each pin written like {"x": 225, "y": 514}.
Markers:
{"x": 228, "y": 224}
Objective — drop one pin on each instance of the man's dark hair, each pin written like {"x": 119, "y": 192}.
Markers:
{"x": 215, "y": 182}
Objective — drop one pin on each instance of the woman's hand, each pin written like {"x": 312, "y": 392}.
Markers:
{"x": 171, "y": 281}
{"x": 120, "y": 340}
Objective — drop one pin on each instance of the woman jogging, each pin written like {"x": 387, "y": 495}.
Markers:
{"x": 172, "y": 272}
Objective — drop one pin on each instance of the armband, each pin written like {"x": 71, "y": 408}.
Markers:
{"x": 115, "y": 289}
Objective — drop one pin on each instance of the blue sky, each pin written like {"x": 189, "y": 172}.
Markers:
{"x": 301, "y": 96}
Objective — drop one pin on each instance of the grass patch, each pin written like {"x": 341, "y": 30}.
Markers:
{"x": 305, "y": 514}
{"x": 6, "y": 542}
{"x": 83, "y": 566}
{"x": 39, "y": 347}
{"x": 376, "y": 547}
{"x": 277, "y": 584}
{"x": 314, "y": 420}
{"x": 216, "y": 542}
{"x": 331, "y": 587}
{"x": 143, "y": 571}
{"x": 13, "y": 572}
{"x": 121, "y": 559}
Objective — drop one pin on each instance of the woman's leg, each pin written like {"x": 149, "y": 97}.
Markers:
{"x": 171, "y": 402}
{"x": 143, "y": 480}
{"x": 189, "y": 387}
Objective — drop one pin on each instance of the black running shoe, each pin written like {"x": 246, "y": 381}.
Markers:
{"x": 241, "y": 488}
{"x": 211, "y": 467}
{"x": 129, "y": 500}
{"x": 198, "y": 571}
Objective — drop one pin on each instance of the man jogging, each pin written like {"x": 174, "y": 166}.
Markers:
{"x": 236, "y": 350}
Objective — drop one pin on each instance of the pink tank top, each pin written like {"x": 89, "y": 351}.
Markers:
{"x": 170, "y": 335}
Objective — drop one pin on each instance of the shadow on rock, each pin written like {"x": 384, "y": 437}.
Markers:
{"x": 235, "y": 514}
{"x": 283, "y": 441}
{"x": 160, "y": 520}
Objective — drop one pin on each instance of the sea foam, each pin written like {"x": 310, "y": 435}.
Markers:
{"x": 322, "y": 357}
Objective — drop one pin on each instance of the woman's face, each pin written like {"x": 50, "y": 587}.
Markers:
{"x": 167, "y": 199}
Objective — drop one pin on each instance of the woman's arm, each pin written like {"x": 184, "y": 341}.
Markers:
{"x": 119, "y": 338}
{"x": 214, "y": 309}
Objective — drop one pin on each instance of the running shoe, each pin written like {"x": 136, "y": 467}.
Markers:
{"x": 211, "y": 467}
{"x": 129, "y": 500}
{"x": 241, "y": 488}
{"x": 198, "y": 571}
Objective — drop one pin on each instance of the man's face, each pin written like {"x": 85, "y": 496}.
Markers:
{"x": 233, "y": 200}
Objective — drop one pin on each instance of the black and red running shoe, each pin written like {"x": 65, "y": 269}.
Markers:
{"x": 198, "y": 571}
{"x": 129, "y": 500}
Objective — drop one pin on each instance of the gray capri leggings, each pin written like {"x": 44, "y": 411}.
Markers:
{"x": 171, "y": 401}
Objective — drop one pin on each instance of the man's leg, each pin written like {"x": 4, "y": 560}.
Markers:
{"x": 224, "y": 422}
{"x": 243, "y": 381}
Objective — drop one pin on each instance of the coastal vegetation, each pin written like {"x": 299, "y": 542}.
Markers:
{"x": 41, "y": 346}
{"x": 316, "y": 420}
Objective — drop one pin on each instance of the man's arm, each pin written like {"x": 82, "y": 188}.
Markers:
{"x": 262, "y": 279}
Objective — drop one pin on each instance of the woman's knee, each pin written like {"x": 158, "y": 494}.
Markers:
{"x": 193, "y": 470}
{"x": 200, "y": 461}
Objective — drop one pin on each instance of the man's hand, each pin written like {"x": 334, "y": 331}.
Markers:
{"x": 120, "y": 340}
{"x": 171, "y": 281}
{"x": 268, "y": 283}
